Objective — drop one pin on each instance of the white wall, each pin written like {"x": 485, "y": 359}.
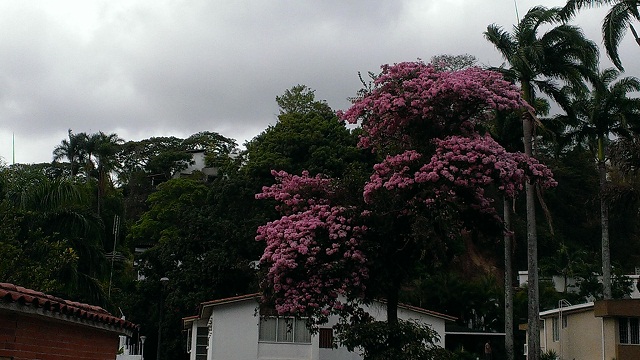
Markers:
{"x": 272, "y": 351}
{"x": 235, "y": 331}
{"x": 198, "y": 163}
{"x": 235, "y": 335}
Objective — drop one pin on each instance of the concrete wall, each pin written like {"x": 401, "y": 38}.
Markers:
{"x": 582, "y": 338}
{"x": 24, "y": 337}
{"x": 235, "y": 331}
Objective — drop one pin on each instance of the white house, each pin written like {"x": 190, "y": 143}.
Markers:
{"x": 571, "y": 284}
{"x": 233, "y": 328}
{"x": 197, "y": 163}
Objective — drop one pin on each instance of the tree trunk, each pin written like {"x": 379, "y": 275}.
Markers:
{"x": 533, "y": 324}
{"x": 508, "y": 286}
{"x": 604, "y": 222}
{"x": 393, "y": 337}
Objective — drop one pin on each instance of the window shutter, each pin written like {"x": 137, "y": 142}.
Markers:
{"x": 326, "y": 338}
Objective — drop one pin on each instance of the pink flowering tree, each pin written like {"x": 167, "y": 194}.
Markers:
{"x": 437, "y": 162}
{"x": 313, "y": 257}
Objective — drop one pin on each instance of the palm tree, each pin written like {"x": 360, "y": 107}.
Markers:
{"x": 72, "y": 150}
{"x": 615, "y": 23}
{"x": 103, "y": 148}
{"x": 601, "y": 113}
{"x": 536, "y": 62}
{"x": 57, "y": 211}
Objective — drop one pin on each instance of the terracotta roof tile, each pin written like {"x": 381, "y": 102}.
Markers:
{"x": 16, "y": 294}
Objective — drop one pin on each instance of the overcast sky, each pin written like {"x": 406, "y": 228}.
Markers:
{"x": 143, "y": 68}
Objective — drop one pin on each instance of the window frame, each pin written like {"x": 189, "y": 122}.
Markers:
{"x": 202, "y": 332}
{"x": 325, "y": 338}
{"x": 285, "y": 326}
{"x": 555, "y": 328}
{"x": 629, "y": 331}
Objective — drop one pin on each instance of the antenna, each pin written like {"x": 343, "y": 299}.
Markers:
{"x": 515, "y": 3}
{"x": 13, "y": 146}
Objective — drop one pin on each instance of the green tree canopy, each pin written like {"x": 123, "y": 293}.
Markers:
{"x": 307, "y": 136}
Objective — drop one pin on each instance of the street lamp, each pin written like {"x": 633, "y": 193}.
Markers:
{"x": 142, "y": 339}
{"x": 164, "y": 281}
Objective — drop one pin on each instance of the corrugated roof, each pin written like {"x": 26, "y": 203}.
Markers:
{"x": 10, "y": 293}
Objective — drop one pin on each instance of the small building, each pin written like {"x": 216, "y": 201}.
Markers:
{"x": 197, "y": 163}
{"x": 604, "y": 330}
{"x": 572, "y": 284}
{"x": 34, "y": 325}
{"x": 236, "y": 328}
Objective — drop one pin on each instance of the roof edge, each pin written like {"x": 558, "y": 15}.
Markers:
{"x": 30, "y": 302}
{"x": 572, "y": 308}
{"x": 234, "y": 299}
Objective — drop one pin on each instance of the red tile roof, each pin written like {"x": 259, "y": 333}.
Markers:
{"x": 10, "y": 293}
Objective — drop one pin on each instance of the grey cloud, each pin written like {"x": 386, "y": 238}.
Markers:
{"x": 174, "y": 67}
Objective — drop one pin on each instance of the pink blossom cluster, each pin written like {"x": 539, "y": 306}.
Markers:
{"x": 478, "y": 161}
{"x": 460, "y": 163}
{"x": 313, "y": 254}
{"x": 413, "y": 95}
{"x": 297, "y": 192}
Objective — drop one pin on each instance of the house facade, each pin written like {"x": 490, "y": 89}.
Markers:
{"x": 34, "y": 325}
{"x": 234, "y": 328}
{"x": 604, "y": 330}
{"x": 197, "y": 163}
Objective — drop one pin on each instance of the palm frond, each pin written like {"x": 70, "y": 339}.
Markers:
{"x": 614, "y": 27}
{"x": 572, "y": 7}
{"x": 501, "y": 39}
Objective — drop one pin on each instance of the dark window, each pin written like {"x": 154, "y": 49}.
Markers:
{"x": 202, "y": 342}
{"x": 326, "y": 338}
{"x": 623, "y": 330}
{"x": 629, "y": 330}
{"x": 634, "y": 331}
